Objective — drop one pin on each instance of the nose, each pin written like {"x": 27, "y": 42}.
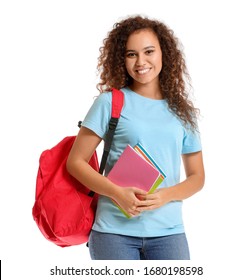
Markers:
{"x": 140, "y": 60}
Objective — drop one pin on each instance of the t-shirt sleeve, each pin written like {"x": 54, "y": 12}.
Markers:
{"x": 191, "y": 142}
{"x": 98, "y": 116}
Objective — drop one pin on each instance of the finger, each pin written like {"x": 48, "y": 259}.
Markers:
{"x": 134, "y": 212}
{"x": 150, "y": 196}
{"x": 142, "y": 203}
{"x": 139, "y": 191}
{"x": 141, "y": 196}
{"x": 146, "y": 208}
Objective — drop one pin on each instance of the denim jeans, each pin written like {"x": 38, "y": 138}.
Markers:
{"x": 107, "y": 246}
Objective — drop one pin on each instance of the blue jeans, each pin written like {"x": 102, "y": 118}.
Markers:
{"x": 107, "y": 246}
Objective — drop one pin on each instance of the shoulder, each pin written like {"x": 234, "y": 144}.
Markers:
{"x": 105, "y": 97}
{"x": 102, "y": 101}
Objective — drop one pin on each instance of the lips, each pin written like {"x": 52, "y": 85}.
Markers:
{"x": 143, "y": 71}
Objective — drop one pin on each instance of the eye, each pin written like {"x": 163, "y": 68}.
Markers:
{"x": 130, "y": 54}
{"x": 149, "y": 52}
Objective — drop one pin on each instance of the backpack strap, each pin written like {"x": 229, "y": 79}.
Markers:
{"x": 117, "y": 104}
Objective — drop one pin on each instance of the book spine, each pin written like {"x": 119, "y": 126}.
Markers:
{"x": 139, "y": 148}
{"x": 159, "y": 180}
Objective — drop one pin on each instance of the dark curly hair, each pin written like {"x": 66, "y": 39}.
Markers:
{"x": 174, "y": 77}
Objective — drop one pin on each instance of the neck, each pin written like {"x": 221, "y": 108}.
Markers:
{"x": 150, "y": 91}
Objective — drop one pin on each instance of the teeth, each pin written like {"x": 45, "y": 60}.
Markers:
{"x": 143, "y": 71}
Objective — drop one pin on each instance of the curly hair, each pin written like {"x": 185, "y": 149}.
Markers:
{"x": 173, "y": 78}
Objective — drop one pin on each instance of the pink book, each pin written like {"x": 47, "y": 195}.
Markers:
{"x": 132, "y": 170}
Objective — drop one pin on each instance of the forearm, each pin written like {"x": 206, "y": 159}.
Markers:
{"x": 195, "y": 177}
{"x": 89, "y": 177}
{"x": 125, "y": 197}
{"x": 185, "y": 189}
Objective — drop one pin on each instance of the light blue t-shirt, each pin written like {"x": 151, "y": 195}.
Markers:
{"x": 150, "y": 123}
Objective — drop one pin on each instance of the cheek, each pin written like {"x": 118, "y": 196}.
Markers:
{"x": 158, "y": 62}
{"x": 129, "y": 66}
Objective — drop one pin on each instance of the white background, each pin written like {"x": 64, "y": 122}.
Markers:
{"x": 48, "y": 58}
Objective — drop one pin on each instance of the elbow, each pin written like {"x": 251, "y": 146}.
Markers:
{"x": 70, "y": 166}
{"x": 75, "y": 167}
{"x": 201, "y": 181}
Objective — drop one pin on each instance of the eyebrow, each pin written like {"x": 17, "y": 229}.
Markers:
{"x": 146, "y": 48}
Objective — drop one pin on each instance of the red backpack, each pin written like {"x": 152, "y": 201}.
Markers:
{"x": 64, "y": 209}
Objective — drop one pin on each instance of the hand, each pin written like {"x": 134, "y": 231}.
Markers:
{"x": 155, "y": 200}
{"x": 129, "y": 199}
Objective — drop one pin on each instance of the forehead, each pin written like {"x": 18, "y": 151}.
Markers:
{"x": 141, "y": 39}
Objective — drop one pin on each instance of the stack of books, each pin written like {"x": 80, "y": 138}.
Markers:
{"x": 136, "y": 168}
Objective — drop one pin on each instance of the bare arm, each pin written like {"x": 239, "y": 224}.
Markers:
{"x": 77, "y": 165}
{"x": 195, "y": 177}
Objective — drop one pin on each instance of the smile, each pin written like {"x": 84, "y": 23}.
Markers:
{"x": 143, "y": 71}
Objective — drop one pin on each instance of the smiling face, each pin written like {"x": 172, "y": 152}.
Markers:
{"x": 143, "y": 58}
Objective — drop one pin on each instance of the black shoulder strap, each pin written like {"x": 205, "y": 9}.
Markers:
{"x": 117, "y": 104}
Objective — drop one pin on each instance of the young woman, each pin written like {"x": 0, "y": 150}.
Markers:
{"x": 141, "y": 57}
